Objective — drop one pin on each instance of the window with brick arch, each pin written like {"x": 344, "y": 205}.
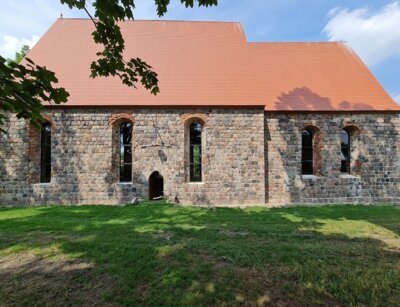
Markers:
{"x": 345, "y": 151}
{"x": 125, "y": 146}
{"x": 195, "y": 155}
{"x": 45, "y": 153}
{"x": 307, "y": 152}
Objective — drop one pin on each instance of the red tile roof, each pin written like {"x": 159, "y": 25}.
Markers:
{"x": 212, "y": 64}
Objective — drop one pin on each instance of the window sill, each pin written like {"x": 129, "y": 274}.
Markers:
{"x": 309, "y": 177}
{"x": 42, "y": 184}
{"x": 349, "y": 176}
{"x": 124, "y": 183}
{"x": 196, "y": 182}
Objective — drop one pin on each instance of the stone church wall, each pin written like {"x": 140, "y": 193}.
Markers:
{"x": 85, "y": 159}
{"x": 375, "y": 156}
{"x": 249, "y": 157}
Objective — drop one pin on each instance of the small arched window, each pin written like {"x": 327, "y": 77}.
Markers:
{"x": 125, "y": 144}
{"x": 307, "y": 152}
{"x": 345, "y": 151}
{"x": 45, "y": 153}
{"x": 195, "y": 152}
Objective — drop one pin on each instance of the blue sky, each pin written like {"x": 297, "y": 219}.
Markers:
{"x": 370, "y": 27}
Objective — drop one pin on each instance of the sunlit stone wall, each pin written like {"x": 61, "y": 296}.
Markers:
{"x": 249, "y": 158}
{"x": 85, "y": 164}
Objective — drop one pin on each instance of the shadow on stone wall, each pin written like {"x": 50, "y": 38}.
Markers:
{"x": 67, "y": 163}
{"x": 4, "y": 175}
{"x": 14, "y": 153}
{"x": 378, "y": 152}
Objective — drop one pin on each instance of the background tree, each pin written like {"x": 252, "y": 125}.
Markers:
{"x": 19, "y": 56}
{"x": 23, "y": 88}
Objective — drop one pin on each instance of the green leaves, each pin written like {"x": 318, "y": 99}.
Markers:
{"x": 110, "y": 61}
{"x": 19, "y": 56}
{"x": 162, "y": 5}
{"x": 23, "y": 89}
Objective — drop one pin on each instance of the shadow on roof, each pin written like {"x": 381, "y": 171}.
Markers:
{"x": 305, "y": 99}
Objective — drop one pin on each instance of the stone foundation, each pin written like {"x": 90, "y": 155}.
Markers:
{"x": 249, "y": 158}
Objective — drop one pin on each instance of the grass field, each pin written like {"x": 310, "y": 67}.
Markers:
{"x": 158, "y": 254}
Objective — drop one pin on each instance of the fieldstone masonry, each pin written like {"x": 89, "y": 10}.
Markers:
{"x": 375, "y": 154}
{"x": 85, "y": 157}
{"x": 249, "y": 157}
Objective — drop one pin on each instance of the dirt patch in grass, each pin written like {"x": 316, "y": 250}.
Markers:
{"x": 167, "y": 235}
{"x": 234, "y": 233}
{"x": 267, "y": 286}
{"x": 251, "y": 286}
{"x": 27, "y": 279}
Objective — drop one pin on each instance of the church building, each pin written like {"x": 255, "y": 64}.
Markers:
{"x": 235, "y": 123}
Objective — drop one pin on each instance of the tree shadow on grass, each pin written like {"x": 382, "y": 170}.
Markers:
{"x": 157, "y": 254}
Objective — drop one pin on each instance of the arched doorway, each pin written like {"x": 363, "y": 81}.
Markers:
{"x": 156, "y": 186}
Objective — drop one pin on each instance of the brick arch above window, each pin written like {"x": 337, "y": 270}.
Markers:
{"x": 189, "y": 118}
{"x": 353, "y": 129}
{"x": 46, "y": 118}
{"x": 119, "y": 118}
{"x": 311, "y": 127}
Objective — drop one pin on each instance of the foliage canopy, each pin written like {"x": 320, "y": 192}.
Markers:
{"x": 23, "y": 88}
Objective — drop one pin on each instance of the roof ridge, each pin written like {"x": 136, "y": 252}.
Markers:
{"x": 157, "y": 20}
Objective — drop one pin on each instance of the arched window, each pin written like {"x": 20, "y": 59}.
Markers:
{"x": 345, "y": 151}
{"x": 195, "y": 152}
{"x": 307, "y": 152}
{"x": 125, "y": 144}
{"x": 45, "y": 153}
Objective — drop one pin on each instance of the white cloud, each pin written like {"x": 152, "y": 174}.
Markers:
{"x": 10, "y": 45}
{"x": 22, "y": 21}
{"x": 375, "y": 36}
{"x": 397, "y": 99}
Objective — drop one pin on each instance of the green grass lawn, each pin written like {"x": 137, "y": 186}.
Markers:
{"x": 158, "y": 254}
